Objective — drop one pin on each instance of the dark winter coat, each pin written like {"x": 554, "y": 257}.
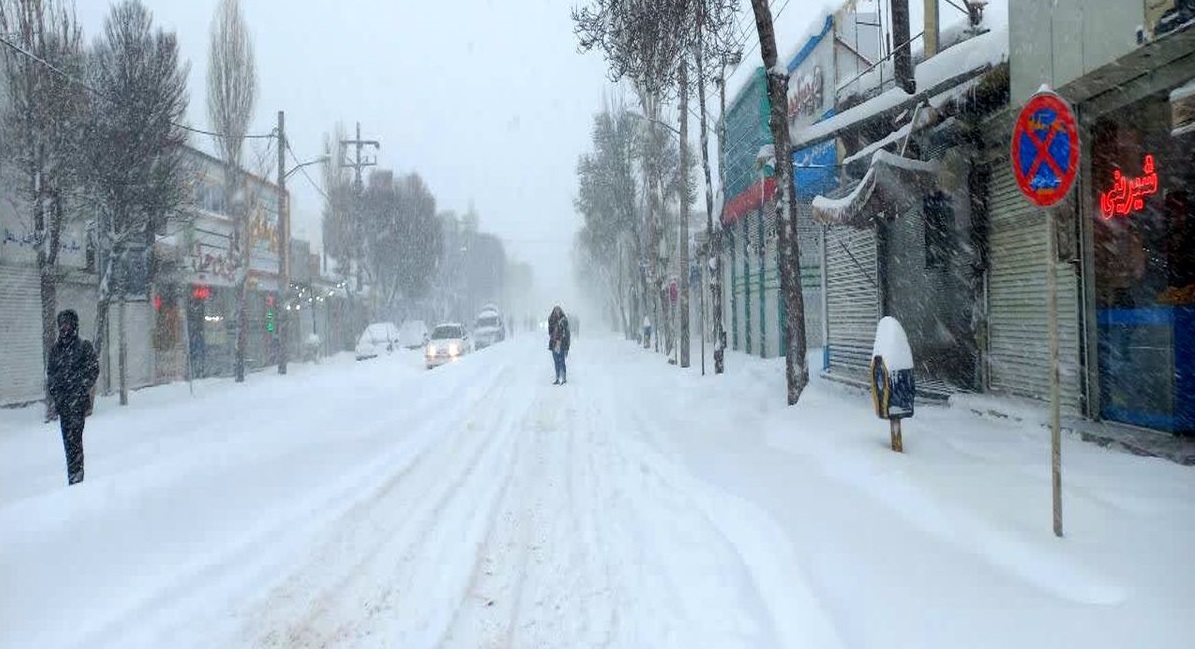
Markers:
{"x": 559, "y": 332}
{"x": 71, "y": 373}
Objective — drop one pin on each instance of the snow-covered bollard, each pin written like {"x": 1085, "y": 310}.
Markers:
{"x": 893, "y": 387}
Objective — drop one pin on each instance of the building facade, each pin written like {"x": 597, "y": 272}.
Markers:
{"x": 1126, "y": 267}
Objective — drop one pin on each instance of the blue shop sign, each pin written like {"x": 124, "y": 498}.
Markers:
{"x": 815, "y": 169}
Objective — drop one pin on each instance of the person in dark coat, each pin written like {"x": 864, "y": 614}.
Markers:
{"x": 70, "y": 375}
{"x": 558, "y": 342}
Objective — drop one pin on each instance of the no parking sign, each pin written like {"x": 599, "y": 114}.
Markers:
{"x": 1045, "y": 161}
{"x": 1045, "y": 149}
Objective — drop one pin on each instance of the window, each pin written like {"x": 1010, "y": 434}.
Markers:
{"x": 939, "y": 222}
{"x": 447, "y": 332}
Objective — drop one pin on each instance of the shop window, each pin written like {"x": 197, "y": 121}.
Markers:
{"x": 939, "y": 222}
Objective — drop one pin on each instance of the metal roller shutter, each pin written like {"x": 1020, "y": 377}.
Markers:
{"x": 771, "y": 300}
{"x": 139, "y": 318}
{"x": 20, "y": 345}
{"x": 1018, "y": 349}
{"x": 809, "y": 236}
{"x": 851, "y": 297}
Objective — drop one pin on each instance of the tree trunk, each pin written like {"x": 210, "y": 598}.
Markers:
{"x": 712, "y": 251}
{"x": 795, "y": 364}
{"x": 48, "y": 282}
{"x": 123, "y": 352}
{"x": 683, "y": 266}
{"x": 245, "y": 244}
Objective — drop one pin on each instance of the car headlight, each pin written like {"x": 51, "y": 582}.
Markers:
{"x": 431, "y": 350}
{"x": 453, "y": 349}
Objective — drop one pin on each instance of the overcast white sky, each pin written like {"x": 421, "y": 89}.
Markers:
{"x": 487, "y": 99}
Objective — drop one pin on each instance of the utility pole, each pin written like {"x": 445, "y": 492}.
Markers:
{"x": 283, "y": 315}
{"x": 358, "y": 164}
{"x": 683, "y": 301}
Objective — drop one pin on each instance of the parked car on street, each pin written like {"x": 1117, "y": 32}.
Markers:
{"x": 449, "y": 341}
{"x": 490, "y": 327}
{"x": 377, "y": 339}
{"x": 413, "y": 334}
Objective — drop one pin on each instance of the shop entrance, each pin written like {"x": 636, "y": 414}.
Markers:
{"x": 1144, "y": 253}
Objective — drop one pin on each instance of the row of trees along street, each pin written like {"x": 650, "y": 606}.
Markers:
{"x": 662, "y": 48}
{"x": 91, "y": 129}
{"x": 419, "y": 262}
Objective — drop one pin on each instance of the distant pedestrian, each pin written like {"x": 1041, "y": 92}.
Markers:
{"x": 558, "y": 341}
{"x": 646, "y": 332}
{"x": 71, "y": 375}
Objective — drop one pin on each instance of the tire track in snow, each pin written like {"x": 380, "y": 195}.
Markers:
{"x": 249, "y": 560}
{"x": 387, "y": 552}
{"x": 544, "y": 581}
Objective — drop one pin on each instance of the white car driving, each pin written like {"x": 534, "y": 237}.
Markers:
{"x": 449, "y": 341}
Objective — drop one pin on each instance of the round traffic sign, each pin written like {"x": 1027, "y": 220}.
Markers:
{"x": 1045, "y": 149}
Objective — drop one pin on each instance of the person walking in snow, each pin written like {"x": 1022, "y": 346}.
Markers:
{"x": 70, "y": 375}
{"x": 558, "y": 342}
{"x": 646, "y": 332}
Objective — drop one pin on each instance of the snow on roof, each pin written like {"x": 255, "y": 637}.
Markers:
{"x": 969, "y": 56}
{"x": 869, "y": 150}
{"x": 887, "y": 174}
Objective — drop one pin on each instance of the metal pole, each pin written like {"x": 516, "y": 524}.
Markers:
{"x": 284, "y": 247}
{"x": 701, "y": 285}
{"x": 683, "y": 281}
{"x": 1052, "y": 323}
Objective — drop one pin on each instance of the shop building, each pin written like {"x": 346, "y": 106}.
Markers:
{"x": 1126, "y": 257}
{"x": 829, "y": 61}
{"x": 902, "y": 233}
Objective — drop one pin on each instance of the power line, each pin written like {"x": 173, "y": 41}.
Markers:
{"x": 755, "y": 46}
{"x": 66, "y": 75}
{"x": 303, "y": 170}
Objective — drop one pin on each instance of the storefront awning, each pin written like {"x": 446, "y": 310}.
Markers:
{"x": 891, "y": 185}
{"x": 753, "y": 198}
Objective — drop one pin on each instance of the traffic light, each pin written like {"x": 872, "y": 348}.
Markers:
{"x": 271, "y": 327}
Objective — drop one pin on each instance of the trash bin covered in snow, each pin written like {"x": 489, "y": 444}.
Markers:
{"x": 893, "y": 388}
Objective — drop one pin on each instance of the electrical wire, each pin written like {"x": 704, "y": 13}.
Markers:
{"x": 65, "y": 75}
{"x": 303, "y": 170}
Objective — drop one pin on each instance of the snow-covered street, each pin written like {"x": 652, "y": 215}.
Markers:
{"x": 376, "y": 504}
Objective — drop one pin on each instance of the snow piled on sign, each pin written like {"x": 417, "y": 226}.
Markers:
{"x": 892, "y": 345}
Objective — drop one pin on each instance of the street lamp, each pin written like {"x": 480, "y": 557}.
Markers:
{"x": 320, "y": 160}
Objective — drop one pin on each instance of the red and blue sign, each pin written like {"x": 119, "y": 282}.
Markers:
{"x": 1045, "y": 149}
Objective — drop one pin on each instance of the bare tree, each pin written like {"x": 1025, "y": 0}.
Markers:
{"x": 135, "y": 157}
{"x": 652, "y": 42}
{"x": 714, "y": 42}
{"x": 43, "y": 127}
{"x": 796, "y": 367}
{"x": 231, "y": 95}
